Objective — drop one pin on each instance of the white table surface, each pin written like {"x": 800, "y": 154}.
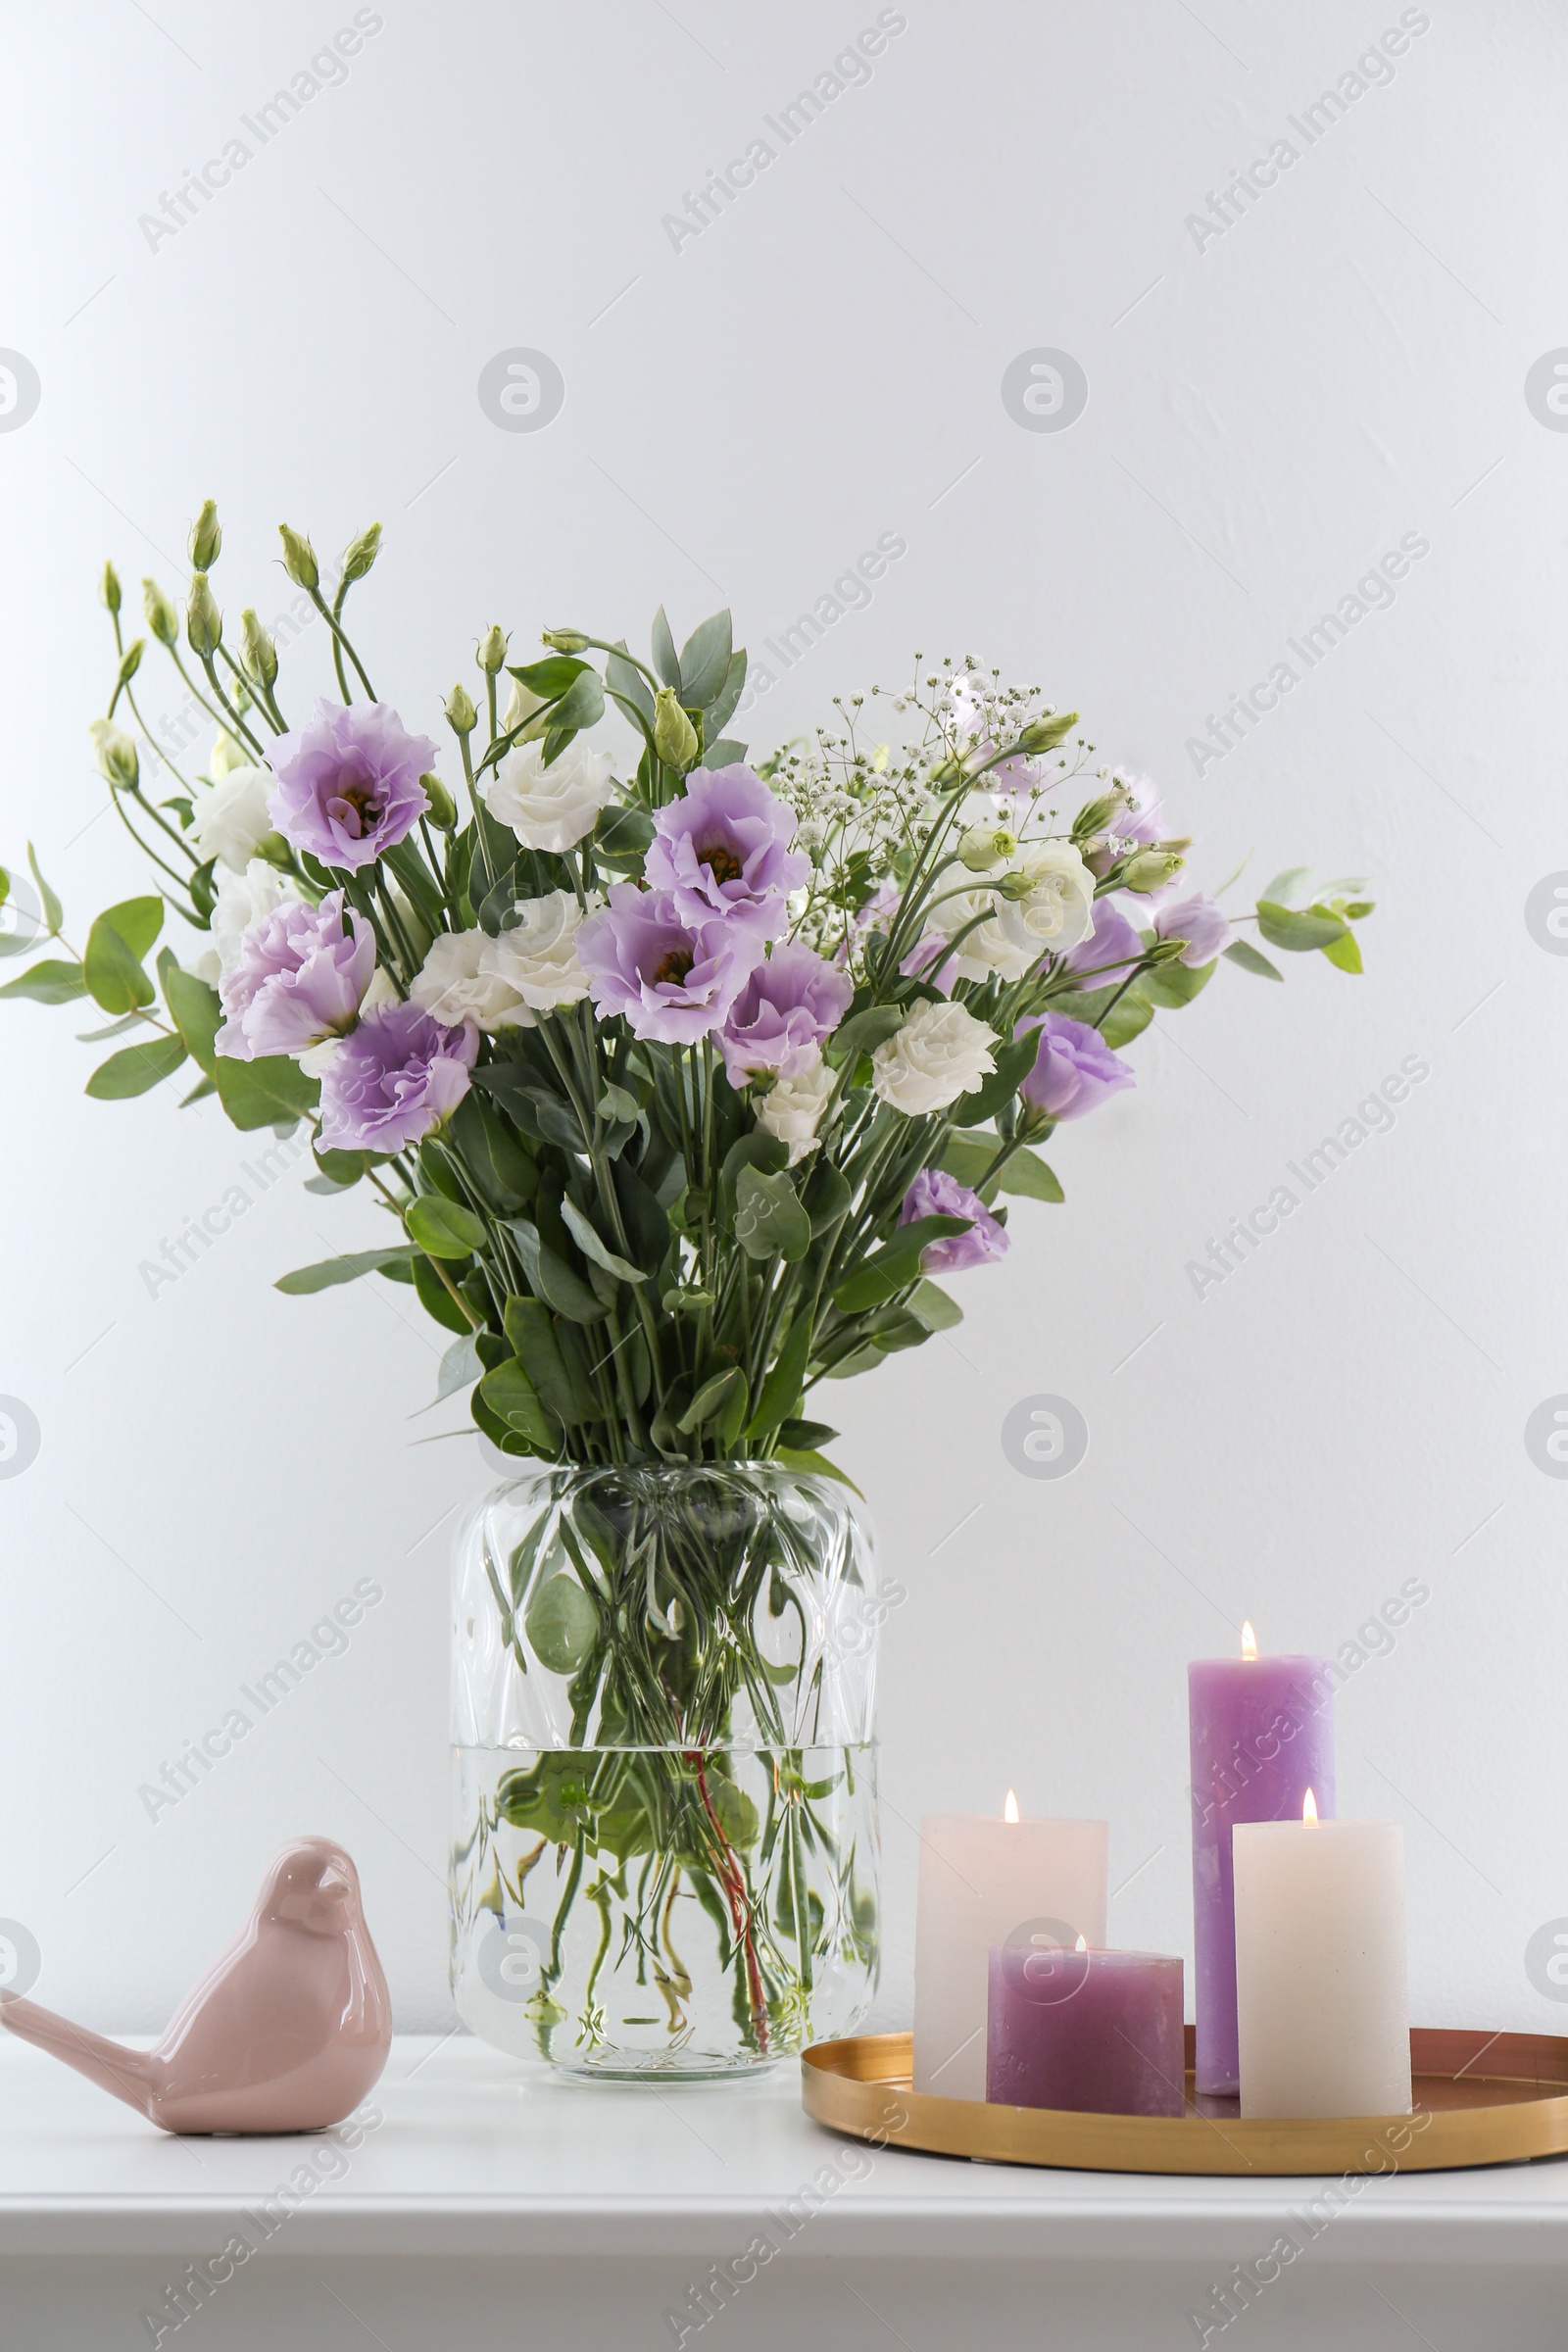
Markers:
{"x": 478, "y": 2164}
{"x": 477, "y": 2154}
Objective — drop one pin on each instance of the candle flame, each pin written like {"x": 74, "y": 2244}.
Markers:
{"x": 1009, "y": 1811}
{"x": 1309, "y": 1807}
{"x": 1248, "y": 1639}
{"x": 1080, "y": 1945}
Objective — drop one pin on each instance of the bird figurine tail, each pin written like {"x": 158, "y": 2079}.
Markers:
{"x": 124, "y": 2074}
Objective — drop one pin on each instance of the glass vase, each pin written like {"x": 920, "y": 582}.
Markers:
{"x": 664, "y": 1836}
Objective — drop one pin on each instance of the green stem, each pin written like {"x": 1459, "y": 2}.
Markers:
{"x": 340, "y": 646}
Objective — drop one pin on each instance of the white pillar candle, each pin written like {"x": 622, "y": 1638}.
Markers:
{"x": 986, "y": 1882}
{"x": 1322, "y": 1993}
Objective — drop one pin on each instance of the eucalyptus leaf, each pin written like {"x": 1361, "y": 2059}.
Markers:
{"x": 112, "y": 966}
{"x": 893, "y": 1266}
{"x": 1243, "y": 953}
{"x": 444, "y": 1228}
{"x": 711, "y": 1400}
{"x": 509, "y": 1395}
{"x": 195, "y": 1009}
{"x": 1296, "y": 933}
{"x": 460, "y": 1368}
{"x": 95, "y": 1036}
{"x": 722, "y": 710}
{"x": 795, "y": 1459}
{"x": 1014, "y": 1061}
{"x": 330, "y": 1271}
{"x": 263, "y": 1093}
{"x": 136, "y": 1071}
{"x": 1127, "y": 1019}
{"x": 565, "y": 1289}
{"x": 52, "y": 913}
{"x": 561, "y": 1624}
{"x": 1171, "y": 984}
{"x": 704, "y": 660}
{"x": 864, "y": 1032}
{"x": 768, "y": 1215}
{"x": 1029, "y": 1176}
{"x": 665, "y": 657}
{"x": 932, "y": 1306}
{"x": 589, "y": 1242}
{"x": 1288, "y": 885}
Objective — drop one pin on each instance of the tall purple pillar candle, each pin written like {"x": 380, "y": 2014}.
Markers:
{"x": 1262, "y": 1734}
{"x": 1099, "y": 2031}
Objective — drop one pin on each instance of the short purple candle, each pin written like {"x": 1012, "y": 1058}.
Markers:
{"x": 1262, "y": 1734}
{"x": 1100, "y": 2032}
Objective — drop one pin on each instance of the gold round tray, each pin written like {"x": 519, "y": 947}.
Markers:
{"x": 1480, "y": 2098}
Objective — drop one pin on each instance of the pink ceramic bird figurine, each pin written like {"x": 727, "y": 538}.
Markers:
{"x": 286, "y": 2032}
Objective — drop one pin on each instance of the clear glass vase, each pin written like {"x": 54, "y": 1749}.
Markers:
{"x": 665, "y": 1838}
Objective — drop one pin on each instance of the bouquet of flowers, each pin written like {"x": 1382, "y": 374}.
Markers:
{"x": 684, "y": 1080}
{"x": 681, "y": 1086}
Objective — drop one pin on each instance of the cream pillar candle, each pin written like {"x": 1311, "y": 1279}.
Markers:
{"x": 987, "y": 1882}
{"x": 1322, "y": 1997}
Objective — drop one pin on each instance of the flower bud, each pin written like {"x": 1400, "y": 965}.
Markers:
{"x": 162, "y": 618}
{"x": 443, "y": 807}
{"x": 674, "y": 736}
{"x": 256, "y": 650}
{"x": 519, "y": 718}
{"x": 360, "y": 554}
{"x": 132, "y": 661}
{"x": 226, "y": 754}
{"x": 461, "y": 716}
{"x": 1043, "y": 734}
{"x": 108, "y": 589}
{"x": 1016, "y": 886}
{"x": 299, "y": 558}
{"x": 565, "y": 640}
{"x": 985, "y": 845}
{"x": 204, "y": 624}
{"x": 1094, "y": 816}
{"x": 275, "y": 850}
{"x": 492, "y": 649}
{"x": 1150, "y": 870}
{"x": 117, "y": 757}
{"x": 205, "y": 539}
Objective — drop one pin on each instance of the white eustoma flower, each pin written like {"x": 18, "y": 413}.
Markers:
{"x": 941, "y": 1052}
{"x": 550, "y": 808}
{"x": 231, "y": 820}
{"x": 536, "y": 960}
{"x": 1059, "y": 908}
{"x": 990, "y": 946}
{"x": 242, "y": 900}
{"x": 793, "y": 1108}
{"x": 454, "y": 987}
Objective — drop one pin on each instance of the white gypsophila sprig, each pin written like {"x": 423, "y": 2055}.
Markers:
{"x": 864, "y": 809}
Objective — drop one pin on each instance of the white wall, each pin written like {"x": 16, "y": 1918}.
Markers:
{"x": 1268, "y": 413}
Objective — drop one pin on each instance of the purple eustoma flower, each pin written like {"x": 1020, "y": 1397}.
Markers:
{"x": 723, "y": 848}
{"x": 300, "y": 977}
{"x": 1110, "y": 948}
{"x": 393, "y": 1079}
{"x": 348, "y": 785}
{"x": 1201, "y": 923}
{"x": 936, "y": 1194}
{"x": 1074, "y": 1072}
{"x": 782, "y": 1014}
{"x": 673, "y": 980}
